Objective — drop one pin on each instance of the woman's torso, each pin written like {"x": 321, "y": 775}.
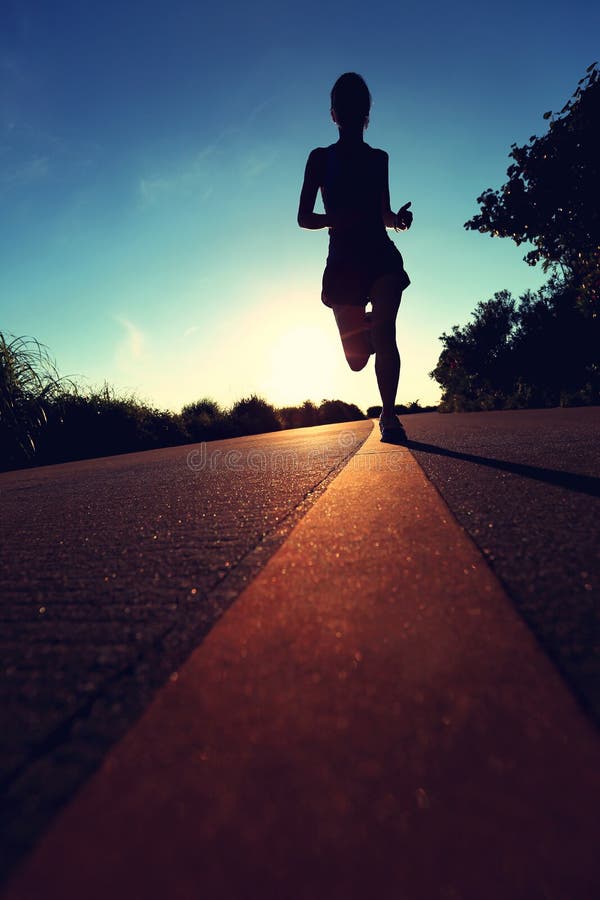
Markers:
{"x": 352, "y": 181}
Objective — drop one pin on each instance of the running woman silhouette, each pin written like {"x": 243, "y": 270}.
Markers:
{"x": 363, "y": 263}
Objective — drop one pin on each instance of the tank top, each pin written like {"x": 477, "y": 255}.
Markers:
{"x": 354, "y": 181}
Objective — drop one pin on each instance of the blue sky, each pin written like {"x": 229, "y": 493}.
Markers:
{"x": 152, "y": 154}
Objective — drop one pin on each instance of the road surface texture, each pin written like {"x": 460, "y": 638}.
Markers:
{"x": 371, "y": 718}
{"x": 111, "y": 572}
{"x": 526, "y": 486}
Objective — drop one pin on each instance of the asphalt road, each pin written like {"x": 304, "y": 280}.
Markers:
{"x": 112, "y": 570}
{"x": 525, "y": 484}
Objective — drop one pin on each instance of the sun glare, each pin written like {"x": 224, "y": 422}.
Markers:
{"x": 302, "y": 364}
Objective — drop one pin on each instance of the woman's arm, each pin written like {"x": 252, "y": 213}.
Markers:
{"x": 312, "y": 181}
{"x": 400, "y": 220}
{"x": 389, "y": 217}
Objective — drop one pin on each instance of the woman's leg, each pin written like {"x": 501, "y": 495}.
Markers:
{"x": 354, "y": 328}
{"x": 385, "y": 296}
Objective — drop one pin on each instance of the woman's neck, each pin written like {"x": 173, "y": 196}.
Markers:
{"x": 351, "y": 136}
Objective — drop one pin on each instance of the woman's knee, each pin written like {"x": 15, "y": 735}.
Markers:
{"x": 354, "y": 329}
{"x": 357, "y": 362}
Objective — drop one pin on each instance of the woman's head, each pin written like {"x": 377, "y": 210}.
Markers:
{"x": 351, "y": 101}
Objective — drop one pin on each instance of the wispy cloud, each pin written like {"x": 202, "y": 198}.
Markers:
{"x": 132, "y": 347}
{"x": 193, "y": 176}
{"x": 258, "y": 161}
{"x": 197, "y": 177}
{"x": 29, "y": 153}
{"x": 25, "y": 172}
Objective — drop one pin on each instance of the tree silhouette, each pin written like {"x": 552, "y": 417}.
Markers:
{"x": 204, "y": 420}
{"x": 474, "y": 367}
{"x": 331, "y": 411}
{"x": 537, "y": 351}
{"x": 254, "y": 415}
{"x": 552, "y": 196}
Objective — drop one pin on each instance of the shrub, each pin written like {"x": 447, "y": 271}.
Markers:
{"x": 331, "y": 411}
{"x": 204, "y": 420}
{"x": 101, "y": 423}
{"x": 299, "y": 416}
{"x": 253, "y": 415}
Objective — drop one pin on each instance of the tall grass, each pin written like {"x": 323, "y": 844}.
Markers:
{"x": 29, "y": 383}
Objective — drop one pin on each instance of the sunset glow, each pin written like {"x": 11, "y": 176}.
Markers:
{"x": 150, "y": 178}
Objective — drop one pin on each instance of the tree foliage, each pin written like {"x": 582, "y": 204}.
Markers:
{"x": 253, "y": 415}
{"x": 299, "y": 416}
{"x": 330, "y": 411}
{"x": 537, "y": 351}
{"x": 552, "y": 196}
{"x": 204, "y": 419}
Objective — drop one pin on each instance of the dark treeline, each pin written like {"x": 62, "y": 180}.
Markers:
{"x": 539, "y": 350}
{"x": 544, "y": 349}
{"x": 45, "y": 418}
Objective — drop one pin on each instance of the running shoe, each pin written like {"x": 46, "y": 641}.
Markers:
{"x": 393, "y": 433}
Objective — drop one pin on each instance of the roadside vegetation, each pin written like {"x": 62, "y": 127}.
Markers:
{"x": 544, "y": 348}
{"x": 45, "y": 418}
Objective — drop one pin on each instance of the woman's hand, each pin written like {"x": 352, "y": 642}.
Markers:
{"x": 404, "y": 217}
